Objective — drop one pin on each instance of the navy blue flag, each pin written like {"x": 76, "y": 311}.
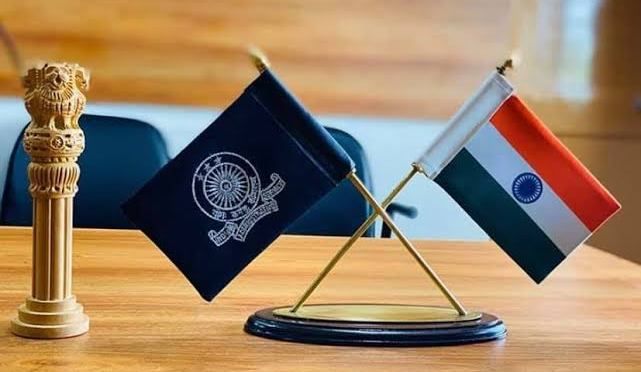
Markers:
{"x": 234, "y": 189}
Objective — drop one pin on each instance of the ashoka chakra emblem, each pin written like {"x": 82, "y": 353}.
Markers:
{"x": 527, "y": 188}
{"x": 226, "y": 186}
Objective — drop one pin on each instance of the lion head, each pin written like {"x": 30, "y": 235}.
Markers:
{"x": 82, "y": 78}
{"x": 57, "y": 78}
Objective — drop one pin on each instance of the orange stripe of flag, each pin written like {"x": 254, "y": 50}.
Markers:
{"x": 545, "y": 153}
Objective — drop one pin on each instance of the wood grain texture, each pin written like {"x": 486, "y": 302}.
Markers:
{"x": 586, "y": 316}
{"x": 404, "y": 58}
{"x": 373, "y": 57}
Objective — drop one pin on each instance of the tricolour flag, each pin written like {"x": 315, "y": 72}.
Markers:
{"x": 518, "y": 182}
{"x": 233, "y": 190}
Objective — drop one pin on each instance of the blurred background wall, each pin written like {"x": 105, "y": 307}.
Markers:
{"x": 579, "y": 63}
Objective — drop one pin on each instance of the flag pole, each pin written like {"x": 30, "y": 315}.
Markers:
{"x": 408, "y": 245}
{"x": 357, "y": 235}
{"x": 261, "y": 63}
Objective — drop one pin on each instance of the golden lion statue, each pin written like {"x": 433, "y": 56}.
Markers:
{"x": 54, "y": 97}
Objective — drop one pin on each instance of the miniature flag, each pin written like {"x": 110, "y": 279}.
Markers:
{"x": 238, "y": 185}
{"x": 518, "y": 182}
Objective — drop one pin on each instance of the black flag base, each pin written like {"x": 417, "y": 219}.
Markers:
{"x": 375, "y": 325}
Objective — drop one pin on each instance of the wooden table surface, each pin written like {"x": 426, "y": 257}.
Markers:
{"x": 144, "y": 314}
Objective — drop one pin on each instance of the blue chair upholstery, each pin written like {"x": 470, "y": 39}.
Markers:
{"x": 343, "y": 210}
{"x": 121, "y": 154}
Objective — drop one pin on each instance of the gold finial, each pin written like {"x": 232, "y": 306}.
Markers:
{"x": 509, "y": 63}
{"x": 258, "y": 59}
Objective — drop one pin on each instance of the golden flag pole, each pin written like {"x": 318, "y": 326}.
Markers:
{"x": 352, "y": 240}
{"x": 372, "y": 323}
{"x": 260, "y": 61}
{"x": 408, "y": 245}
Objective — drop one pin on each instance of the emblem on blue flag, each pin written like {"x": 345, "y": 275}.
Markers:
{"x": 527, "y": 188}
{"x": 227, "y": 196}
{"x": 226, "y": 187}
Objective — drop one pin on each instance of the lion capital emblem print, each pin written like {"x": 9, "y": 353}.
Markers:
{"x": 226, "y": 188}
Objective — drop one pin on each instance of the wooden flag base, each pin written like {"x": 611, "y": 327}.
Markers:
{"x": 375, "y": 325}
{"x": 50, "y": 319}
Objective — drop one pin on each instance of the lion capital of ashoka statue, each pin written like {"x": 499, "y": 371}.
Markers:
{"x": 54, "y": 97}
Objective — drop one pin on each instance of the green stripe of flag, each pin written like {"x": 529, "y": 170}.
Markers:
{"x": 496, "y": 212}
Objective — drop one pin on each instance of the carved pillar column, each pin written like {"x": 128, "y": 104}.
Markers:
{"x": 54, "y": 141}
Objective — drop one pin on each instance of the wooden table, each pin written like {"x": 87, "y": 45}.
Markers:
{"x": 144, "y": 314}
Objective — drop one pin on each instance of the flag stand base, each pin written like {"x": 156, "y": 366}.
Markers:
{"x": 375, "y": 325}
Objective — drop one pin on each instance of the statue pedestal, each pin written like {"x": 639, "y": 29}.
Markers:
{"x": 50, "y": 319}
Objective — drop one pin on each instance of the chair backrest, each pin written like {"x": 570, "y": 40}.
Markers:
{"x": 343, "y": 210}
{"x": 121, "y": 154}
